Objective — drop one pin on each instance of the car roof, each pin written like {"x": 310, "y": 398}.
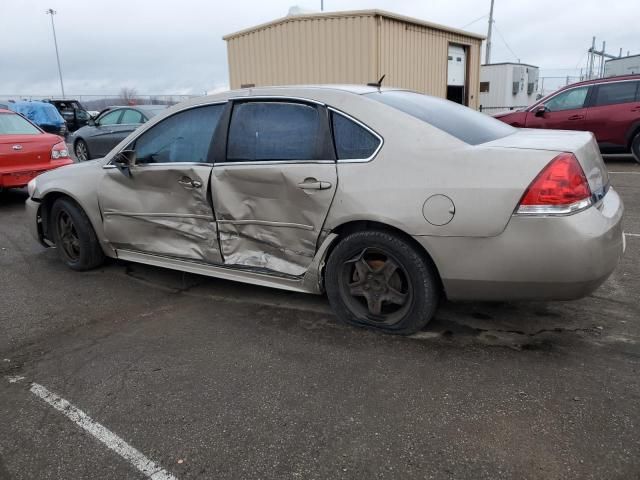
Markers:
{"x": 595, "y": 81}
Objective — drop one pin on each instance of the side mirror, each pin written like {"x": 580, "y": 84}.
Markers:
{"x": 91, "y": 122}
{"x": 124, "y": 160}
{"x": 540, "y": 111}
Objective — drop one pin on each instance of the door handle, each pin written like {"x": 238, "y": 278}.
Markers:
{"x": 313, "y": 184}
{"x": 635, "y": 109}
{"x": 186, "y": 182}
{"x": 576, "y": 117}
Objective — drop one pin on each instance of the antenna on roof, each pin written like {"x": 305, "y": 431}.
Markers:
{"x": 377, "y": 84}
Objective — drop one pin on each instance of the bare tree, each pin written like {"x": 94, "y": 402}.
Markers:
{"x": 128, "y": 96}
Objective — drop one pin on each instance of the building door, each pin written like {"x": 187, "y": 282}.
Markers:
{"x": 457, "y": 74}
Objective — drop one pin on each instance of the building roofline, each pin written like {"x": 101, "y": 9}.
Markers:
{"x": 622, "y": 58}
{"x": 353, "y": 13}
{"x": 509, "y": 63}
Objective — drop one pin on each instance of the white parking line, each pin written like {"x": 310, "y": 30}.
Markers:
{"x": 134, "y": 457}
{"x": 631, "y": 173}
{"x": 632, "y": 234}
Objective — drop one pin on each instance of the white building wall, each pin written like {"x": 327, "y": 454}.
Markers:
{"x": 501, "y": 78}
{"x": 622, "y": 66}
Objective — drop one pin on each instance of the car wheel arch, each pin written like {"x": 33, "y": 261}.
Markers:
{"x": 46, "y": 204}
{"x": 353, "y": 226}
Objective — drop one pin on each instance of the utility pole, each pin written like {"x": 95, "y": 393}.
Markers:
{"x": 322, "y": 5}
{"x": 52, "y": 12}
{"x": 487, "y": 56}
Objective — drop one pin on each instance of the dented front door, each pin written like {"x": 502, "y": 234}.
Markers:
{"x": 162, "y": 210}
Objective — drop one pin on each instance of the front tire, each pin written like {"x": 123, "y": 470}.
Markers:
{"x": 81, "y": 149}
{"x": 379, "y": 280}
{"x": 73, "y": 234}
{"x": 635, "y": 147}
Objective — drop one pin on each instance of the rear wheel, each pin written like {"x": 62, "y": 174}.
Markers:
{"x": 379, "y": 280}
{"x": 81, "y": 150}
{"x": 74, "y": 236}
{"x": 635, "y": 147}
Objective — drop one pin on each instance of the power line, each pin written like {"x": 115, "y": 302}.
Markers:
{"x": 476, "y": 20}
{"x": 505, "y": 42}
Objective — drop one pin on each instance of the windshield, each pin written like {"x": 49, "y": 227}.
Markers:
{"x": 463, "y": 123}
{"x": 12, "y": 124}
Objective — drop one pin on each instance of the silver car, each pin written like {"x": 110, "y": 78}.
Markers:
{"x": 387, "y": 200}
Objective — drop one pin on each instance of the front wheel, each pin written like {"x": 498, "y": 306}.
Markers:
{"x": 635, "y": 147}
{"x": 379, "y": 280}
{"x": 81, "y": 150}
{"x": 73, "y": 234}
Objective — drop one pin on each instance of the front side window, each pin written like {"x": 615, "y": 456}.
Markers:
{"x": 131, "y": 117}
{"x": 110, "y": 118}
{"x": 14, "y": 124}
{"x": 461, "y": 122}
{"x": 266, "y": 131}
{"x": 352, "y": 141}
{"x": 183, "y": 137}
{"x": 613, "y": 93}
{"x": 569, "y": 100}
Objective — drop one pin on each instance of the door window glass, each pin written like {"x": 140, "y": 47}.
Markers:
{"x": 130, "y": 117}
{"x": 569, "y": 100}
{"x": 621, "y": 92}
{"x": 110, "y": 118}
{"x": 263, "y": 131}
{"x": 183, "y": 137}
{"x": 352, "y": 141}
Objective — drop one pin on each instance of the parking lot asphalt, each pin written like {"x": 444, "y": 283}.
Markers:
{"x": 213, "y": 379}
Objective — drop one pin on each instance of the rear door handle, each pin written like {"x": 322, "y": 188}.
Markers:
{"x": 313, "y": 184}
{"x": 186, "y": 182}
{"x": 635, "y": 109}
{"x": 576, "y": 117}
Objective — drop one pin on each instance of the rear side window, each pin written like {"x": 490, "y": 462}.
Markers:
{"x": 352, "y": 141}
{"x": 264, "y": 131}
{"x": 13, "y": 124}
{"x": 612, "y": 93}
{"x": 183, "y": 137}
{"x": 463, "y": 123}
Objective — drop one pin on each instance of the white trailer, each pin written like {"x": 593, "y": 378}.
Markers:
{"x": 507, "y": 86}
{"x": 622, "y": 66}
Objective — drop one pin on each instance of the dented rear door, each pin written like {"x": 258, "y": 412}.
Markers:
{"x": 163, "y": 207}
{"x": 273, "y": 190}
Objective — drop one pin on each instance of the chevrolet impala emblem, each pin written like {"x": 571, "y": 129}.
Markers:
{"x": 17, "y": 147}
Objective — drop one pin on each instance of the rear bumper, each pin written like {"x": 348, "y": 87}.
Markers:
{"x": 541, "y": 258}
{"x": 19, "y": 177}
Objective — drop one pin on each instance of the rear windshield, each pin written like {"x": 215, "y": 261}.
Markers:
{"x": 463, "y": 123}
{"x": 12, "y": 124}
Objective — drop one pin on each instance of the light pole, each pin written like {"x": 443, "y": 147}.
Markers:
{"x": 52, "y": 12}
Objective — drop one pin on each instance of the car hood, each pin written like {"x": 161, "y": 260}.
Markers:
{"x": 582, "y": 144}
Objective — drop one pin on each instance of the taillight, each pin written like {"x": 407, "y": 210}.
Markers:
{"x": 59, "y": 150}
{"x": 560, "y": 188}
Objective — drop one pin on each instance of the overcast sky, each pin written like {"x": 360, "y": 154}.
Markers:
{"x": 161, "y": 47}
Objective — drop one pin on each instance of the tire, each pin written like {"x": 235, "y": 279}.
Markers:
{"x": 73, "y": 234}
{"x": 376, "y": 279}
{"x": 635, "y": 147}
{"x": 81, "y": 150}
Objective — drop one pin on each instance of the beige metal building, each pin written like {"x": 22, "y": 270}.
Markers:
{"x": 358, "y": 47}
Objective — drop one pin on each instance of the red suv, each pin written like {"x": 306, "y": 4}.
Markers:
{"x": 608, "y": 107}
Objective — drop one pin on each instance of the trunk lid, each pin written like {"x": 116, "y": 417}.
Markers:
{"x": 582, "y": 144}
{"x": 18, "y": 151}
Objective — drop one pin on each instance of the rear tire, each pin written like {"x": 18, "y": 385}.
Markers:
{"x": 73, "y": 234}
{"x": 379, "y": 280}
{"x": 635, "y": 147}
{"x": 81, "y": 150}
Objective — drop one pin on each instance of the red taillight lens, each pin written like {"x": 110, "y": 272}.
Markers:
{"x": 560, "y": 188}
{"x": 59, "y": 150}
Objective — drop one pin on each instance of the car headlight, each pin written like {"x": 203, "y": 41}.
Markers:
{"x": 31, "y": 187}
